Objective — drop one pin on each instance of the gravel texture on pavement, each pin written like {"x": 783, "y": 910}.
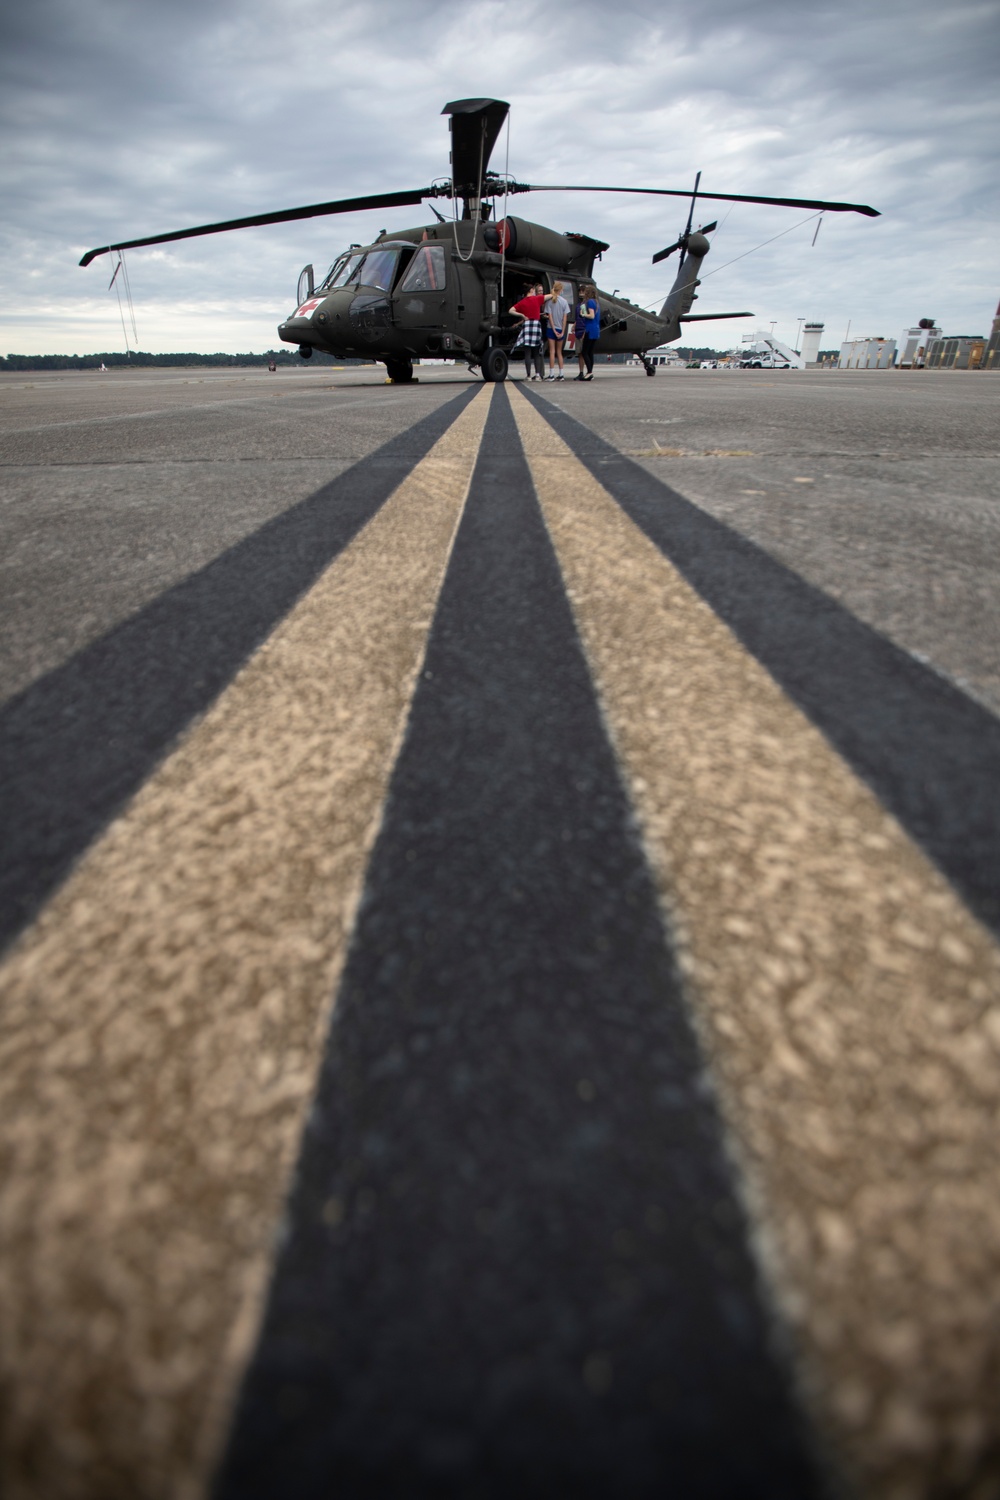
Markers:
{"x": 501, "y": 892}
{"x": 849, "y": 1000}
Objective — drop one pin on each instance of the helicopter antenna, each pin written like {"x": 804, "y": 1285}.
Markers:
{"x": 114, "y": 282}
{"x": 121, "y": 314}
{"x": 771, "y": 241}
{"x": 727, "y": 263}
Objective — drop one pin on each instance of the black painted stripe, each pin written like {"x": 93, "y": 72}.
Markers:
{"x": 928, "y": 751}
{"x": 76, "y": 744}
{"x": 516, "y": 1264}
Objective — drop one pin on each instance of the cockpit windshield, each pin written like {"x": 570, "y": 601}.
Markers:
{"x": 340, "y": 272}
{"x": 376, "y": 270}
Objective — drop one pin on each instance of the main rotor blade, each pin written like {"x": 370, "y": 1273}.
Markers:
{"x": 837, "y": 208}
{"x": 283, "y": 216}
{"x": 475, "y": 125}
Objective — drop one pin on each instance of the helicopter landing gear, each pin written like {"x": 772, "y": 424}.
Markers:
{"x": 494, "y": 365}
{"x": 399, "y": 371}
{"x": 649, "y": 367}
{"x": 305, "y": 351}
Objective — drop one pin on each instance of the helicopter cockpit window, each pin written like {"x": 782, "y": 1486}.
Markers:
{"x": 426, "y": 273}
{"x": 376, "y": 270}
{"x": 339, "y": 273}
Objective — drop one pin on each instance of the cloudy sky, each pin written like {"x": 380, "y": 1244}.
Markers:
{"x": 121, "y": 118}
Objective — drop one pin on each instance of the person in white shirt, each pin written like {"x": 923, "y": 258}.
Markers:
{"x": 555, "y": 310}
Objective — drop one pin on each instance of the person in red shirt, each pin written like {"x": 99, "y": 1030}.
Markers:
{"x": 529, "y": 338}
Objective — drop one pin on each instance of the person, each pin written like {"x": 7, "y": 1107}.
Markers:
{"x": 529, "y": 337}
{"x": 588, "y": 330}
{"x": 556, "y": 310}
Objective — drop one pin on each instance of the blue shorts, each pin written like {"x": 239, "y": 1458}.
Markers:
{"x": 554, "y": 333}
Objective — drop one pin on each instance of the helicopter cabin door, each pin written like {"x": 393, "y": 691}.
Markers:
{"x": 421, "y": 298}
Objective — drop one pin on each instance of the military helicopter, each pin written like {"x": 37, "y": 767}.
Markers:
{"x": 444, "y": 290}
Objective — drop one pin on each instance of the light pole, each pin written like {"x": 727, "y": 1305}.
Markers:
{"x": 798, "y": 336}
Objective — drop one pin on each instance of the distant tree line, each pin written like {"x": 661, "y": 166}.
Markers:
{"x": 137, "y": 359}
{"x": 288, "y": 357}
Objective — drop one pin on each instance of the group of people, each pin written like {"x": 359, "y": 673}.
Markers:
{"x": 545, "y": 320}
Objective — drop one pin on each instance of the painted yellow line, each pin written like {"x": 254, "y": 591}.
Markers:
{"x": 848, "y": 1001}
{"x": 163, "y": 1021}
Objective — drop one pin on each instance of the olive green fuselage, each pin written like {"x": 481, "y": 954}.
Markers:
{"x": 459, "y": 312}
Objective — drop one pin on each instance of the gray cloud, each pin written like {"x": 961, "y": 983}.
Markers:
{"x": 133, "y": 116}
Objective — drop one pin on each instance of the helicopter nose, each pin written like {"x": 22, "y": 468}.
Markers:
{"x": 337, "y": 305}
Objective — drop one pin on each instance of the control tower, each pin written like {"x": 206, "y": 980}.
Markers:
{"x": 811, "y": 335}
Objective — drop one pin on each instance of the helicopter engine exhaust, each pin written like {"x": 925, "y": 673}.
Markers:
{"x": 521, "y": 240}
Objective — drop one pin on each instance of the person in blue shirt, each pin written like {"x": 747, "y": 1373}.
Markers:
{"x": 588, "y": 330}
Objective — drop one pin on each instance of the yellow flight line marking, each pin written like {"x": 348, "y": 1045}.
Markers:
{"x": 163, "y": 1022}
{"x": 848, "y": 1001}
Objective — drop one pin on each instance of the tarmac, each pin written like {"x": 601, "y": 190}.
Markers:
{"x": 501, "y": 899}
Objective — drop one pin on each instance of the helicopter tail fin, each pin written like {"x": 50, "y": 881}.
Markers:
{"x": 682, "y": 294}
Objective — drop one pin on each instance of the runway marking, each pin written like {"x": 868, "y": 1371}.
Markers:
{"x": 78, "y": 742}
{"x": 163, "y": 1022}
{"x": 930, "y": 753}
{"x": 848, "y": 998}
{"x": 515, "y": 1263}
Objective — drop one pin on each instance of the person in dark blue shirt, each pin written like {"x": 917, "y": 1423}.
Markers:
{"x": 588, "y": 330}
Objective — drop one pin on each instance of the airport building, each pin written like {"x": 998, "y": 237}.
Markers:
{"x": 867, "y": 354}
{"x": 663, "y": 354}
{"x": 991, "y": 357}
{"x": 914, "y": 341}
{"x": 960, "y": 352}
{"x": 925, "y": 347}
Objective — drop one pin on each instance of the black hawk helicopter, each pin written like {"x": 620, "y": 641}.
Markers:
{"x": 443, "y": 290}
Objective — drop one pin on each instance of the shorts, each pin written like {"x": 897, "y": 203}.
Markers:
{"x": 553, "y": 333}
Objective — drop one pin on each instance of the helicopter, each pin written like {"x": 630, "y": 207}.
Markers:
{"x": 444, "y": 290}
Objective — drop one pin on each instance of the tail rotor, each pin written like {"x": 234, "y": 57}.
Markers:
{"x": 681, "y": 244}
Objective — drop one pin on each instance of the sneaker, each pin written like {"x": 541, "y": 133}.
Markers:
{"x": 550, "y": 377}
{"x": 579, "y": 377}
{"x": 560, "y": 376}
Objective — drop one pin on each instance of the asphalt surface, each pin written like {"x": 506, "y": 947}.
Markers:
{"x": 502, "y": 988}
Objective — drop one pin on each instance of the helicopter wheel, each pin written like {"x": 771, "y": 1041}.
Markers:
{"x": 399, "y": 371}
{"x": 495, "y": 365}
{"x": 650, "y": 369}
